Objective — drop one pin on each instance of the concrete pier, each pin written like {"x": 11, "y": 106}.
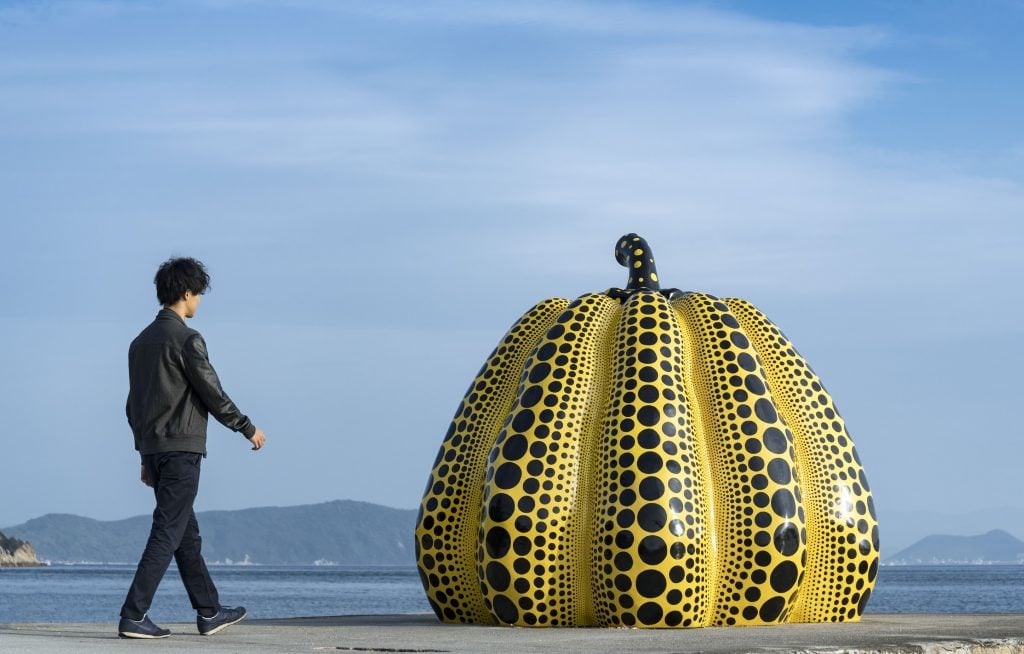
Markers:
{"x": 930, "y": 634}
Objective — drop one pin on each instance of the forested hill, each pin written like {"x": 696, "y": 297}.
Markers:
{"x": 343, "y": 532}
{"x": 16, "y": 553}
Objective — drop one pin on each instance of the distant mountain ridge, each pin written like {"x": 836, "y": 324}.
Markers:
{"x": 996, "y": 546}
{"x": 901, "y": 528}
{"x": 338, "y": 532}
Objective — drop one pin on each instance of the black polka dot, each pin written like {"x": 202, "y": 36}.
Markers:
{"x": 746, "y": 362}
{"x": 515, "y": 447}
{"x": 775, "y": 440}
{"x": 652, "y": 550}
{"x": 771, "y": 609}
{"x": 531, "y": 396}
{"x": 501, "y": 507}
{"x": 624, "y": 539}
{"x": 648, "y": 393}
{"x": 749, "y": 427}
{"x": 650, "y": 583}
{"x": 649, "y": 613}
{"x": 784, "y": 576}
{"x": 523, "y": 420}
{"x": 521, "y": 546}
{"x": 623, "y": 583}
{"x": 505, "y": 609}
{"x": 623, "y": 561}
{"x": 651, "y": 488}
{"x": 546, "y": 351}
{"x": 787, "y": 539}
{"x": 498, "y": 542}
{"x": 863, "y": 601}
{"x": 625, "y": 518}
{"x": 783, "y": 503}
{"x": 649, "y": 438}
{"x": 765, "y": 410}
{"x": 754, "y": 384}
{"x": 538, "y": 373}
{"x": 498, "y": 576}
{"x": 739, "y": 340}
{"x": 508, "y": 475}
{"x": 677, "y": 550}
{"x": 652, "y": 518}
{"x": 649, "y": 462}
{"x": 778, "y": 470}
{"x": 648, "y": 415}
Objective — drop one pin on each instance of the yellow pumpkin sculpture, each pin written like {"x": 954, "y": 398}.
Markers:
{"x": 646, "y": 458}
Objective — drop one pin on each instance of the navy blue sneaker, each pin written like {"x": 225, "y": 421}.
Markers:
{"x": 143, "y": 628}
{"x": 225, "y": 618}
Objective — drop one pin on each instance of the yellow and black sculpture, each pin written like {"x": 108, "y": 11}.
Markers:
{"x": 650, "y": 458}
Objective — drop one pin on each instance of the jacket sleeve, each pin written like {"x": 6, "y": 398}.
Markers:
{"x": 203, "y": 379}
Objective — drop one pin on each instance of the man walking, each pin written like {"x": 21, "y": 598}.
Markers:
{"x": 173, "y": 388}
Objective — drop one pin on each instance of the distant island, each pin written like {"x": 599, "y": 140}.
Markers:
{"x": 16, "y": 553}
{"x": 342, "y": 532}
{"x": 996, "y": 546}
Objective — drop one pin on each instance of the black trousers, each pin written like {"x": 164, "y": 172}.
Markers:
{"x": 175, "y": 533}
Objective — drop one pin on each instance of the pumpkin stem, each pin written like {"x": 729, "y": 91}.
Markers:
{"x": 633, "y": 252}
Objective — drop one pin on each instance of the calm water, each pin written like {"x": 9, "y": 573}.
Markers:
{"x": 94, "y": 593}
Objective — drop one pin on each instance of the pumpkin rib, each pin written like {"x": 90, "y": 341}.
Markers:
{"x": 586, "y": 514}
{"x": 757, "y": 580}
{"x": 448, "y": 521}
{"x": 650, "y": 531}
{"x": 699, "y": 410}
{"x": 840, "y": 572}
{"x": 529, "y": 525}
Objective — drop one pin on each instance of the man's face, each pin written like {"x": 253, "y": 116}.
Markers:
{"x": 191, "y": 303}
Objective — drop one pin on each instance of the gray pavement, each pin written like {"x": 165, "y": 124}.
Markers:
{"x": 930, "y": 634}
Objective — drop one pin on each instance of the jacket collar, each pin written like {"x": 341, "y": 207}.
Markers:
{"x": 166, "y": 314}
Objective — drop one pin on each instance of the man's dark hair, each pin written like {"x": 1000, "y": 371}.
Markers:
{"x": 178, "y": 275}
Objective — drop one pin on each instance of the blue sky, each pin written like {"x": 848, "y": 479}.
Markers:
{"x": 380, "y": 189}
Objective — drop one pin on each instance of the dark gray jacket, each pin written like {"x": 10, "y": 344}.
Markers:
{"x": 172, "y": 389}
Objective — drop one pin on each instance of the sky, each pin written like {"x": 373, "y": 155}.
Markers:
{"x": 379, "y": 189}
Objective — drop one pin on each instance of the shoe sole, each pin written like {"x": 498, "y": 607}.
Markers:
{"x": 128, "y": 634}
{"x": 223, "y": 626}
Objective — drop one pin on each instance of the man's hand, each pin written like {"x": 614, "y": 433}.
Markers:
{"x": 144, "y": 477}
{"x": 258, "y": 439}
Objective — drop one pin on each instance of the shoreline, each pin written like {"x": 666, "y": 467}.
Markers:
{"x": 881, "y": 633}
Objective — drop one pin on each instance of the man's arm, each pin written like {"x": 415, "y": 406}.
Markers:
{"x": 204, "y": 380}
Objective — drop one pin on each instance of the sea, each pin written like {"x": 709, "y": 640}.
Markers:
{"x": 93, "y": 593}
